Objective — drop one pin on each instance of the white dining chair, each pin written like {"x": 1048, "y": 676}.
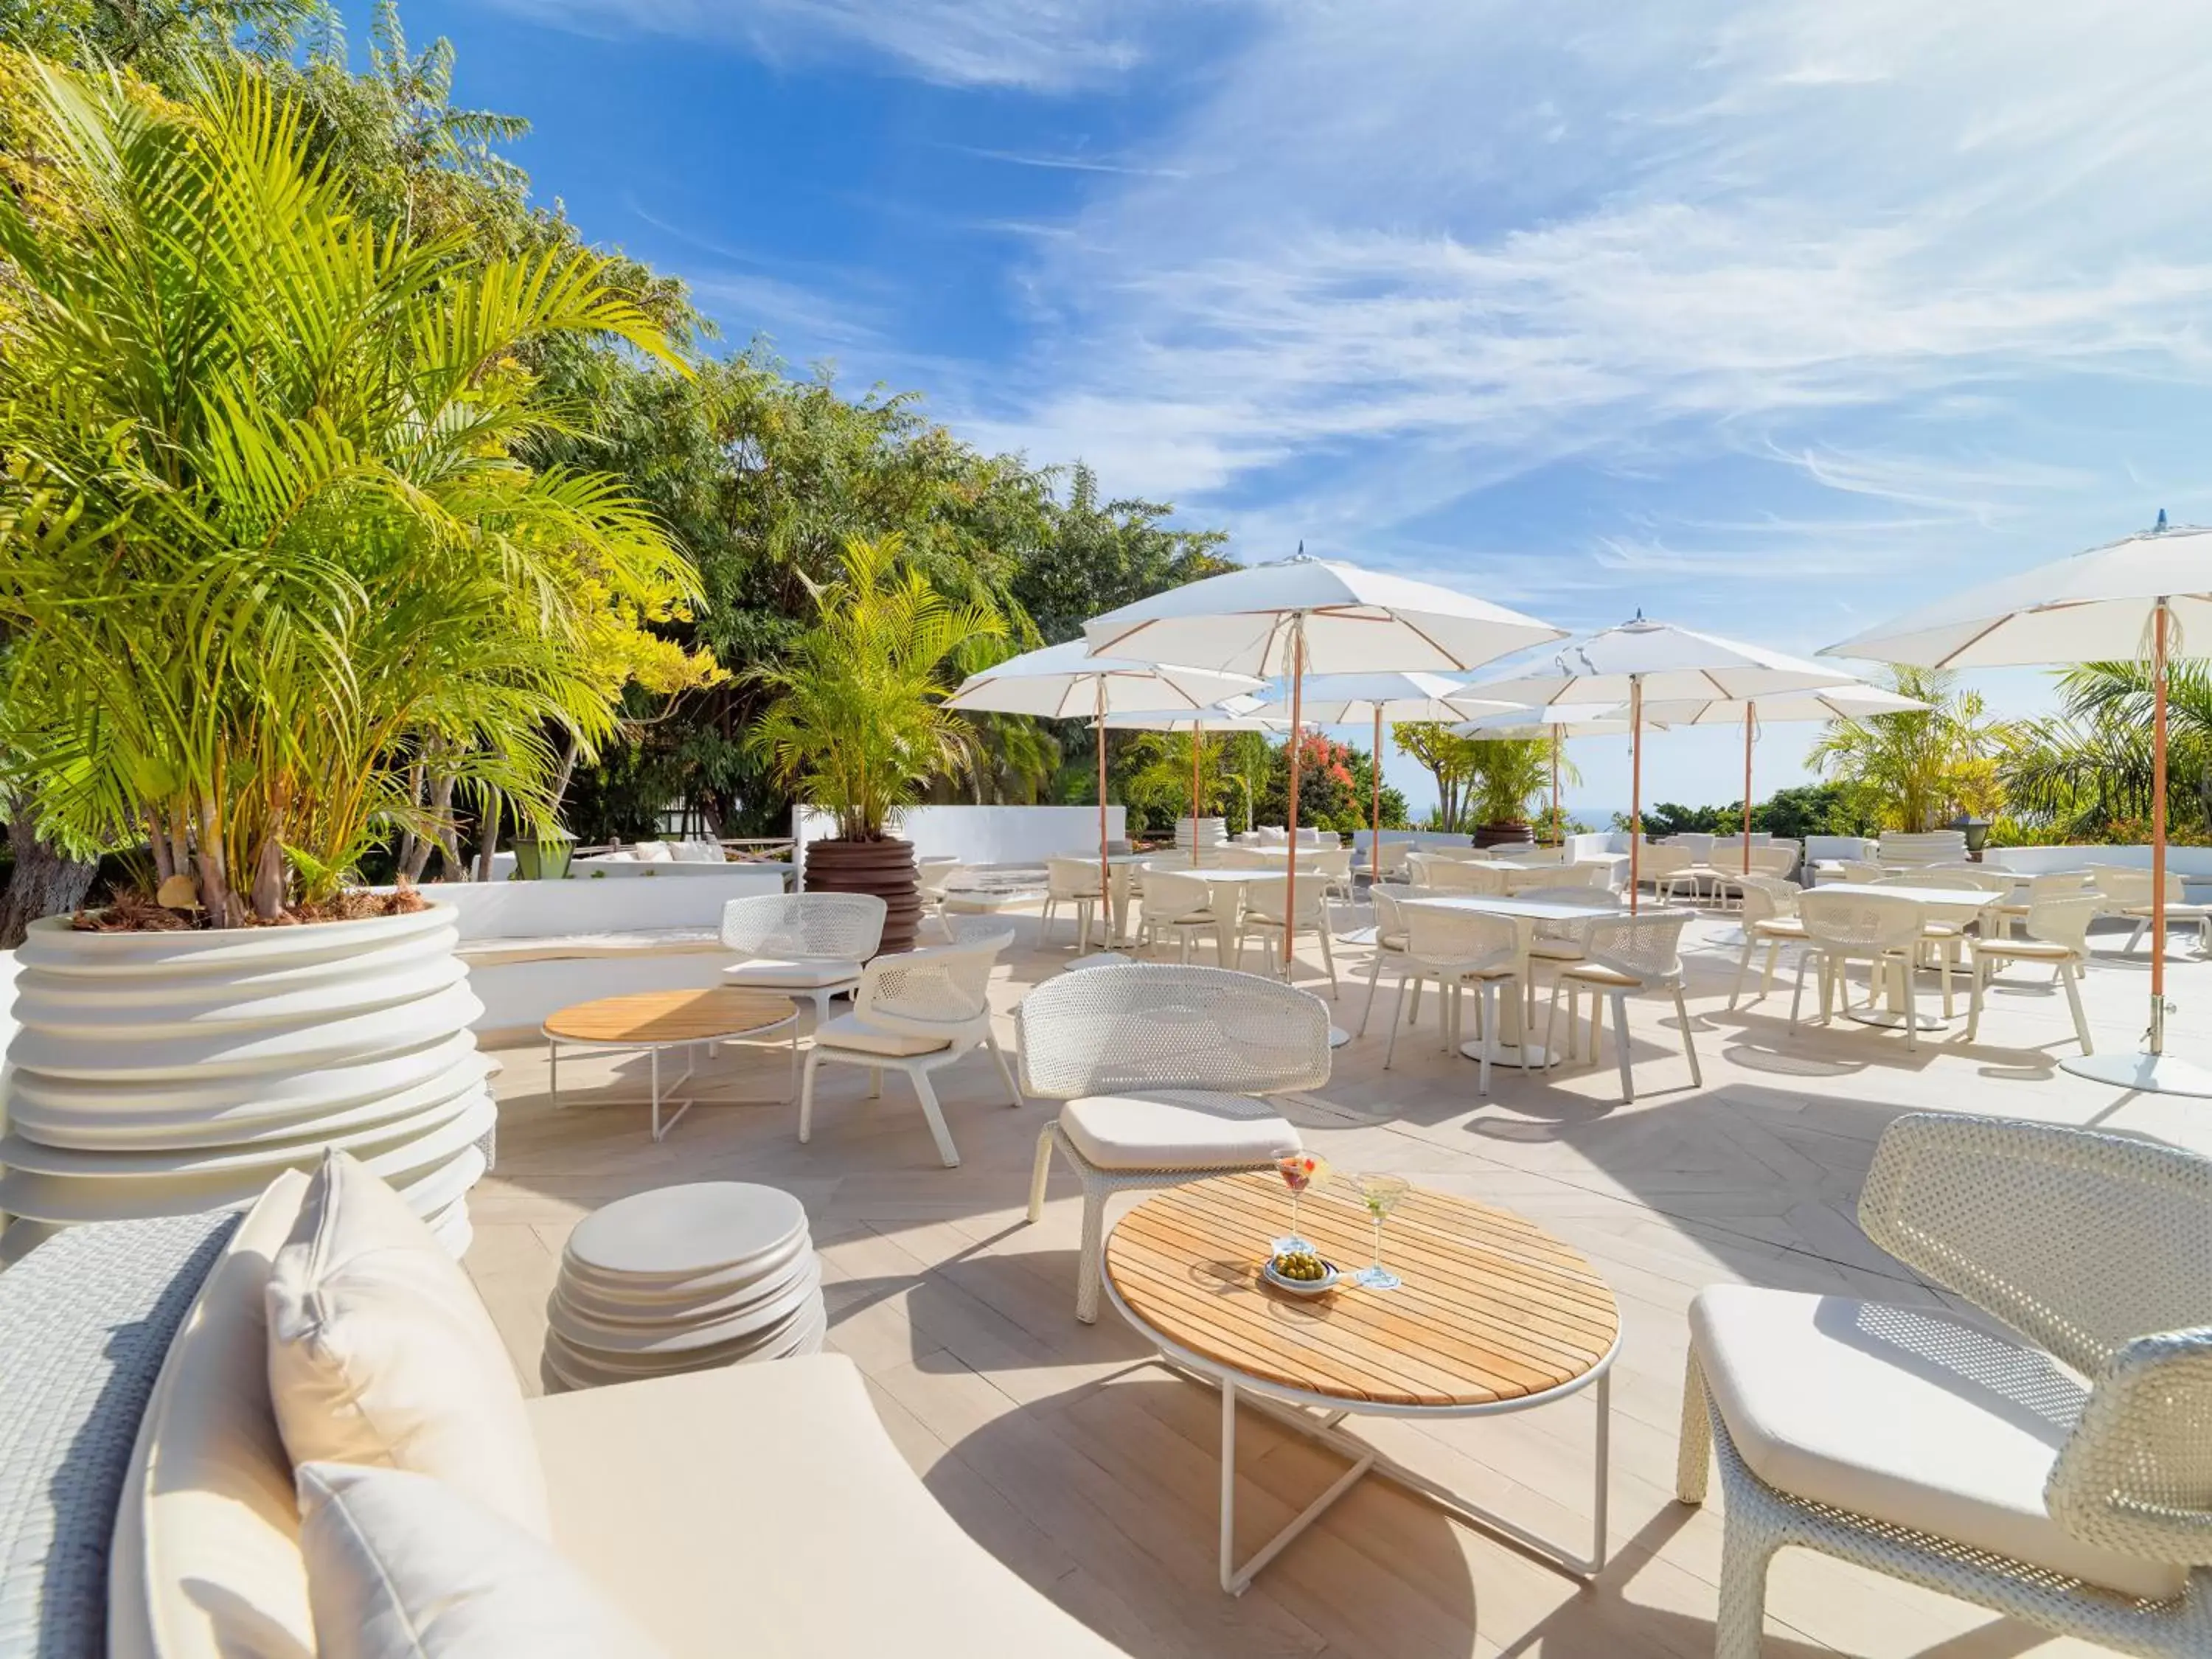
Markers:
{"x": 1622, "y": 956}
{"x": 1073, "y": 882}
{"x": 1460, "y": 949}
{"x": 1847, "y": 923}
{"x": 2057, "y": 933}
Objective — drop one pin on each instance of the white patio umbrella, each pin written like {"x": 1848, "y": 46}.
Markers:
{"x": 1229, "y": 716}
{"x": 1065, "y": 682}
{"x": 1346, "y": 699}
{"x": 1316, "y": 615}
{"x": 1560, "y": 720}
{"x": 1853, "y": 700}
{"x": 1639, "y": 661}
{"x": 2138, "y": 598}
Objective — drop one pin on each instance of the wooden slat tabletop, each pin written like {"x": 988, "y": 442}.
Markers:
{"x": 1493, "y": 1308}
{"x": 720, "y": 1010}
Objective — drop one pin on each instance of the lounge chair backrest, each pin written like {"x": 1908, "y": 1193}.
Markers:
{"x": 1468, "y": 940}
{"x": 1152, "y": 1025}
{"x": 831, "y": 926}
{"x": 1070, "y": 878}
{"x": 942, "y": 991}
{"x": 1855, "y": 919}
{"x": 1647, "y": 948}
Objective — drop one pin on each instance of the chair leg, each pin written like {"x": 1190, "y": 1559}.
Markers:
{"x": 1742, "y": 1622}
{"x": 1005, "y": 1072}
{"x": 875, "y": 1083}
{"x": 1374, "y": 975}
{"x": 1390, "y": 1048}
{"x": 1797, "y": 998}
{"x": 1689, "y": 1042}
{"x": 1743, "y": 966}
{"x": 807, "y": 1095}
{"x": 1488, "y": 993}
{"x": 1694, "y": 1450}
{"x": 1041, "y": 1172}
{"x": 935, "y": 1114}
{"x": 1903, "y": 968}
{"x": 1328, "y": 957}
{"x": 2071, "y": 978}
{"x": 1090, "y": 1252}
{"x": 1551, "y": 1019}
{"x": 1620, "y": 1000}
{"x": 2135, "y": 938}
{"x": 1977, "y": 981}
{"x": 1044, "y": 923}
{"x": 1773, "y": 956}
{"x": 1949, "y": 950}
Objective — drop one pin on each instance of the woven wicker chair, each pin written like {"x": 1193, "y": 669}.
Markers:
{"x": 1663, "y": 867}
{"x": 1457, "y": 949}
{"x": 2128, "y": 893}
{"x": 1770, "y": 918}
{"x": 807, "y": 946}
{"x": 1073, "y": 881}
{"x": 1844, "y": 926}
{"x": 1935, "y": 1451}
{"x": 2057, "y": 933}
{"x": 1264, "y": 900}
{"x": 1455, "y": 875}
{"x": 1623, "y": 955}
{"x": 1160, "y": 1069}
{"x": 2056, "y": 883}
{"x": 915, "y": 1012}
{"x": 1389, "y": 940}
{"x": 1181, "y": 902}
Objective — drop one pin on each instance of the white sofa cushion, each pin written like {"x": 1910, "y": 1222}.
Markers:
{"x": 1904, "y": 1415}
{"x": 846, "y": 1031}
{"x": 1175, "y": 1129}
{"x": 763, "y": 1509}
{"x": 403, "y": 1566}
{"x": 804, "y": 974}
{"x": 381, "y": 1352}
{"x": 651, "y": 852}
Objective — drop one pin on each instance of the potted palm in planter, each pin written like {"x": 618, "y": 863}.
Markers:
{"x": 264, "y": 546}
{"x": 1508, "y": 776}
{"x": 855, "y": 724}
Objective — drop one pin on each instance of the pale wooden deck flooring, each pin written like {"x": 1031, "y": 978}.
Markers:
{"x": 1094, "y": 1476}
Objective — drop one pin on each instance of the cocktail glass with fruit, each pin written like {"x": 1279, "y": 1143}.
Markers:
{"x": 1299, "y": 1171}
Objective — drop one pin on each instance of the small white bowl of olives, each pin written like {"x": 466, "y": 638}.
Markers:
{"x": 1299, "y": 1272}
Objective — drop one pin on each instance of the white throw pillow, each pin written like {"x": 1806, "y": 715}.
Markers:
{"x": 402, "y": 1567}
{"x": 380, "y": 1352}
{"x": 653, "y": 852}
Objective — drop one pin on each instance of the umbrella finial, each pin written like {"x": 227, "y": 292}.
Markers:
{"x": 2155, "y": 528}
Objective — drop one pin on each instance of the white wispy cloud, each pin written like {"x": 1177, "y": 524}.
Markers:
{"x": 1046, "y": 46}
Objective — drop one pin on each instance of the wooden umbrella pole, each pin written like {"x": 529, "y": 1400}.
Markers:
{"x": 1635, "y": 788}
{"x": 1558, "y": 828}
{"x": 1290, "y": 853}
{"x": 1197, "y": 739}
{"x": 2158, "y": 829}
{"x": 1747, "y": 717}
{"x": 1375, "y": 848}
{"x": 1105, "y": 870}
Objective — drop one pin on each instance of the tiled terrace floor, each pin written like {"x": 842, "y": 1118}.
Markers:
{"x": 1094, "y": 1476}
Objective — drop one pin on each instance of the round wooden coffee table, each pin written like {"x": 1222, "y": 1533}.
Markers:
{"x": 1494, "y": 1314}
{"x": 654, "y": 1020}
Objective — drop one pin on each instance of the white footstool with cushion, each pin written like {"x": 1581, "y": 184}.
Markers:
{"x": 1159, "y": 1067}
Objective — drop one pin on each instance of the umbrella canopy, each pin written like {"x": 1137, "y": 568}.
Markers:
{"x": 1641, "y": 660}
{"x": 1305, "y": 614}
{"x": 1064, "y": 682}
{"x": 1852, "y": 702}
{"x": 2133, "y": 598}
{"x": 1348, "y": 620}
{"x": 2093, "y": 607}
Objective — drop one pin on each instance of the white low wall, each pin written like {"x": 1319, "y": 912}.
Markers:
{"x": 981, "y": 835}
{"x": 582, "y": 904}
{"x": 2192, "y": 864}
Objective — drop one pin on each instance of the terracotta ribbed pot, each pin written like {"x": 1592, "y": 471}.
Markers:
{"x": 1507, "y": 832}
{"x": 883, "y": 867}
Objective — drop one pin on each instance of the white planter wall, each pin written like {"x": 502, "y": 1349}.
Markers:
{"x": 983, "y": 835}
{"x": 167, "y": 1073}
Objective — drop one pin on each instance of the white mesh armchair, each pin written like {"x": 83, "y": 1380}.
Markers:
{"x": 1266, "y": 902}
{"x": 1181, "y": 902}
{"x": 1073, "y": 882}
{"x": 1622, "y": 956}
{"x": 1459, "y": 949}
{"x": 1847, "y": 922}
{"x": 2057, "y": 936}
{"x": 1974, "y": 1462}
{"x": 1770, "y": 918}
{"x": 914, "y": 1012}
{"x": 1159, "y": 1069}
{"x": 807, "y": 946}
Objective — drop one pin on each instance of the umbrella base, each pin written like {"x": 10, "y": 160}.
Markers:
{"x": 1510, "y": 1054}
{"x": 2144, "y": 1073}
{"x": 1337, "y": 1036}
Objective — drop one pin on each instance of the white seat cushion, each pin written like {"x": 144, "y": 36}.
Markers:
{"x": 1175, "y": 1129}
{"x": 1904, "y": 1415}
{"x": 803, "y": 974}
{"x": 403, "y": 1566}
{"x": 846, "y": 1031}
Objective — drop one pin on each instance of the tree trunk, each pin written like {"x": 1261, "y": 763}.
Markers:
{"x": 47, "y": 883}
{"x": 488, "y": 838}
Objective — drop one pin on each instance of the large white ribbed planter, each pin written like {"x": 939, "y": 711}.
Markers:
{"x": 166, "y": 1073}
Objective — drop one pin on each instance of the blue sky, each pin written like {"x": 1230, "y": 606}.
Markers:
{"x": 1770, "y": 319}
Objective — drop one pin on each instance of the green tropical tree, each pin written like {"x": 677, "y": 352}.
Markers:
{"x": 1509, "y": 773}
{"x": 1915, "y": 767}
{"x": 2087, "y": 772}
{"x": 270, "y": 544}
{"x": 856, "y": 721}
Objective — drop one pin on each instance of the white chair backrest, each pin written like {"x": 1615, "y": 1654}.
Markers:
{"x": 1248, "y": 858}
{"x": 1598, "y": 901}
{"x": 1466, "y": 941}
{"x": 2065, "y": 920}
{"x": 1333, "y": 861}
{"x": 828, "y": 927}
{"x": 1773, "y": 858}
{"x": 1861, "y": 871}
{"x": 1765, "y": 899}
{"x": 1460, "y": 876}
{"x": 1662, "y": 858}
{"x": 1855, "y": 920}
{"x": 1966, "y": 875}
{"x": 2058, "y": 884}
{"x": 1645, "y": 948}
{"x": 941, "y": 991}
{"x": 1264, "y": 898}
{"x": 1698, "y": 846}
{"x": 1070, "y": 878}
{"x": 1151, "y": 1026}
{"x": 1170, "y": 894}
{"x": 2131, "y": 887}
{"x": 1389, "y": 914}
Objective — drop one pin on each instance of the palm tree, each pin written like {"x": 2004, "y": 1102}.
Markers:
{"x": 2088, "y": 769}
{"x": 268, "y": 542}
{"x": 857, "y": 722}
{"x": 1509, "y": 773}
{"x": 1914, "y": 765}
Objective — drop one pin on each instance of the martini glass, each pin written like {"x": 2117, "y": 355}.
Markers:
{"x": 1299, "y": 1171}
{"x": 1381, "y": 1193}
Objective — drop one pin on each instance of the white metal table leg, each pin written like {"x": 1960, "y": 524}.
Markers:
{"x": 1237, "y": 1580}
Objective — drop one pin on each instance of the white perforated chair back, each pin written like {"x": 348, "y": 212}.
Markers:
{"x": 1152, "y": 1025}
{"x": 2065, "y": 921}
{"x": 942, "y": 991}
{"x": 828, "y": 927}
{"x": 1766, "y": 898}
{"x": 1648, "y": 948}
{"x": 1072, "y": 879}
{"x": 1854, "y": 921}
{"x": 1463, "y": 941}
{"x": 1170, "y": 894}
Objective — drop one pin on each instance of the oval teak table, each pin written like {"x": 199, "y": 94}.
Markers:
{"x": 1494, "y": 1314}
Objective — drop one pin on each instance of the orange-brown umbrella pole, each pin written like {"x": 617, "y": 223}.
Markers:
{"x": 1290, "y": 853}
{"x": 1375, "y": 848}
{"x": 1634, "y": 788}
{"x": 1197, "y": 737}
{"x": 1747, "y": 708}
{"x": 2158, "y": 829}
{"x": 1559, "y": 826}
